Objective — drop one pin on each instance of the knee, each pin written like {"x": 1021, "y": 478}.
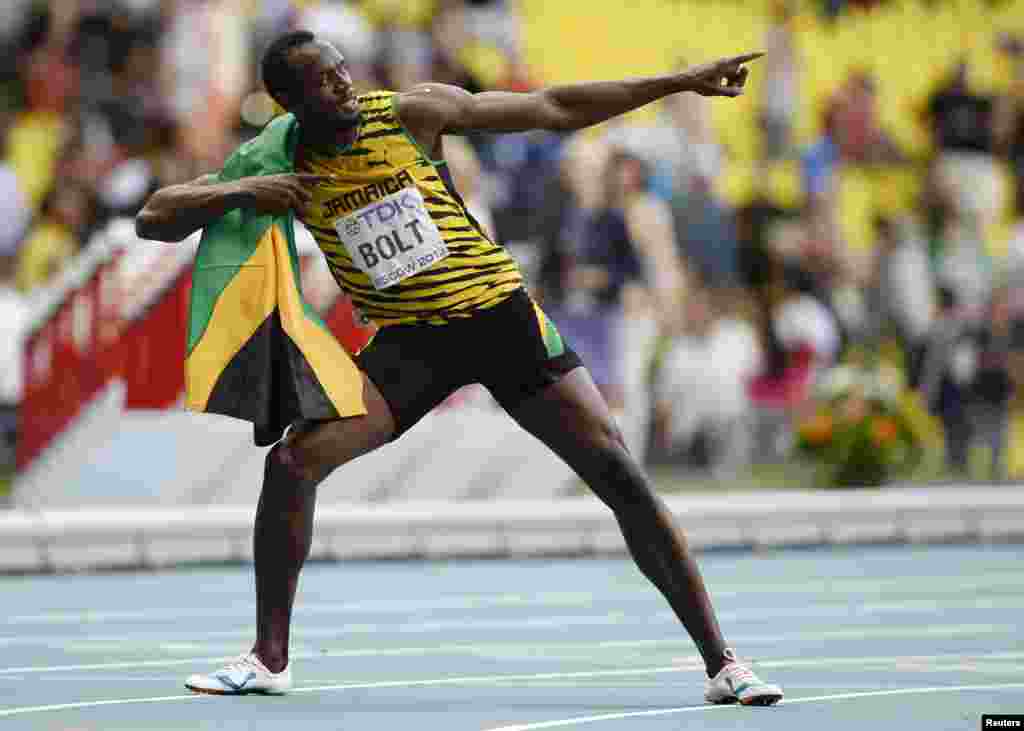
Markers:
{"x": 286, "y": 458}
{"x": 299, "y": 458}
{"x": 608, "y": 437}
{"x": 623, "y": 484}
{"x": 313, "y": 451}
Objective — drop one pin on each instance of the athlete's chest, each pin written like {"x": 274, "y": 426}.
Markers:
{"x": 382, "y": 222}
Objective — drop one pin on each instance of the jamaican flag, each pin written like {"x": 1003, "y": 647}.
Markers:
{"x": 256, "y": 351}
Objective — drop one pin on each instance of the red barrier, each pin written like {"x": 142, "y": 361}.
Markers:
{"x": 153, "y": 349}
{"x": 89, "y": 340}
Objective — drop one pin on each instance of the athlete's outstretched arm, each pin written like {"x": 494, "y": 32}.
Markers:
{"x": 174, "y": 212}
{"x": 430, "y": 110}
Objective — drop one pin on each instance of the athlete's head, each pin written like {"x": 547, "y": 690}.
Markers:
{"x": 309, "y": 78}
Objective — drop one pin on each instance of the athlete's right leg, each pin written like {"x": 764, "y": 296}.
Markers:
{"x": 284, "y": 519}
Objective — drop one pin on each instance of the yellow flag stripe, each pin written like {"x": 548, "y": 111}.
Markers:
{"x": 242, "y": 307}
{"x": 335, "y": 370}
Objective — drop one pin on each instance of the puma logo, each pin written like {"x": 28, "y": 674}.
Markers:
{"x": 236, "y": 684}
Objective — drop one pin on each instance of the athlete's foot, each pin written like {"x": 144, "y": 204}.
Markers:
{"x": 736, "y": 683}
{"x": 245, "y": 674}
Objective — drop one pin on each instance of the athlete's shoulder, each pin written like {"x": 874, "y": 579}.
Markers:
{"x": 430, "y": 105}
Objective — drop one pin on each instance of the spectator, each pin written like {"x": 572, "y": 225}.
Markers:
{"x": 14, "y": 211}
{"x": 701, "y": 158}
{"x": 963, "y": 262}
{"x": 824, "y": 269}
{"x": 51, "y": 79}
{"x": 781, "y": 86}
{"x": 948, "y": 369}
{"x": 133, "y": 106}
{"x": 856, "y": 124}
{"x": 604, "y": 264}
{"x": 478, "y": 40}
{"x": 405, "y": 51}
{"x": 466, "y": 174}
{"x": 1015, "y": 248}
{"x": 652, "y": 302}
{"x": 524, "y": 177}
{"x": 755, "y": 223}
{"x": 557, "y": 224}
{"x": 1009, "y": 123}
{"x": 807, "y": 331}
{"x": 965, "y": 168}
{"x": 991, "y": 388}
{"x": 904, "y": 288}
{"x": 206, "y": 73}
{"x": 67, "y": 215}
{"x": 14, "y": 313}
{"x": 819, "y": 164}
{"x": 701, "y": 386}
{"x": 851, "y": 135}
{"x": 703, "y": 222}
{"x": 343, "y": 25}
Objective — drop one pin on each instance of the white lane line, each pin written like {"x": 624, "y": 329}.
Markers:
{"x": 515, "y": 649}
{"x": 95, "y": 704}
{"x": 497, "y": 679}
{"x": 863, "y": 588}
{"x": 457, "y": 680}
{"x": 579, "y": 720}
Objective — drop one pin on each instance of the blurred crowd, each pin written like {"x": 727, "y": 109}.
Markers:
{"x": 703, "y": 315}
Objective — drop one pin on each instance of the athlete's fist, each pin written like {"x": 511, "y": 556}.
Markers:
{"x": 724, "y": 77}
{"x": 279, "y": 193}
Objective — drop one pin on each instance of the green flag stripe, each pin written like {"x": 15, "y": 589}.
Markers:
{"x": 227, "y": 244}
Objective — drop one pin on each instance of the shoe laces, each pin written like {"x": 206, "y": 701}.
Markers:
{"x": 741, "y": 673}
{"x": 737, "y": 670}
{"x": 242, "y": 663}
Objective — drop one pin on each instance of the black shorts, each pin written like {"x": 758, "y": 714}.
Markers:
{"x": 512, "y": 349}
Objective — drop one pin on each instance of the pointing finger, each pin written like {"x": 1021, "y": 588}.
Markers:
{"x": 745, "y": 58}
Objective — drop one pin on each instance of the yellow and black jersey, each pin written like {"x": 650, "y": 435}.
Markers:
{"x": 396, "y": 234}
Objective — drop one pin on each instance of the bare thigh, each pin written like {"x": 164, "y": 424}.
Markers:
{"x": 574, "y": 421}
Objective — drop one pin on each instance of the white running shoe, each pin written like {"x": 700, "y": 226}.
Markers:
{"x": 245, "y": 674}
{"x": 737, "y": 683}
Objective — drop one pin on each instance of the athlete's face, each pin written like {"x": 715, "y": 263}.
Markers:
{"x": 327, "y": 93}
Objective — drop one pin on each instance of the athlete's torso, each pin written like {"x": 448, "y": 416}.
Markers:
{"x": 396, "y": 234}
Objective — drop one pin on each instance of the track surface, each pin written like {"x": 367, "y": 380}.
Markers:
{"x": 925, "y": 637}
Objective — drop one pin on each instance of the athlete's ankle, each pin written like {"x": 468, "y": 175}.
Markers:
{"x": 714, "y": 664}
{"x": 273, "y": 660}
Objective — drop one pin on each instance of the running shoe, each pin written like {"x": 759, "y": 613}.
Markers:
{"x": 245, "y": 674}
{"x": 736, "y": 683}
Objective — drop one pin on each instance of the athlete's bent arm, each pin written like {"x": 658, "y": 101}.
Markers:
{"x": 174, "y": 212}
{"x": 431, "y": 110}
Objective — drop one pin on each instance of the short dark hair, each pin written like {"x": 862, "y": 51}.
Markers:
{"x": 278, "y": 75}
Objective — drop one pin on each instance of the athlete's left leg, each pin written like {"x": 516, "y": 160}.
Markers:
{"x": 283, "y": 533}
{"x": 572, "y": 419}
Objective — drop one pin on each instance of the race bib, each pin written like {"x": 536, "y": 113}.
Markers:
{"x": 393, "y": 238}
